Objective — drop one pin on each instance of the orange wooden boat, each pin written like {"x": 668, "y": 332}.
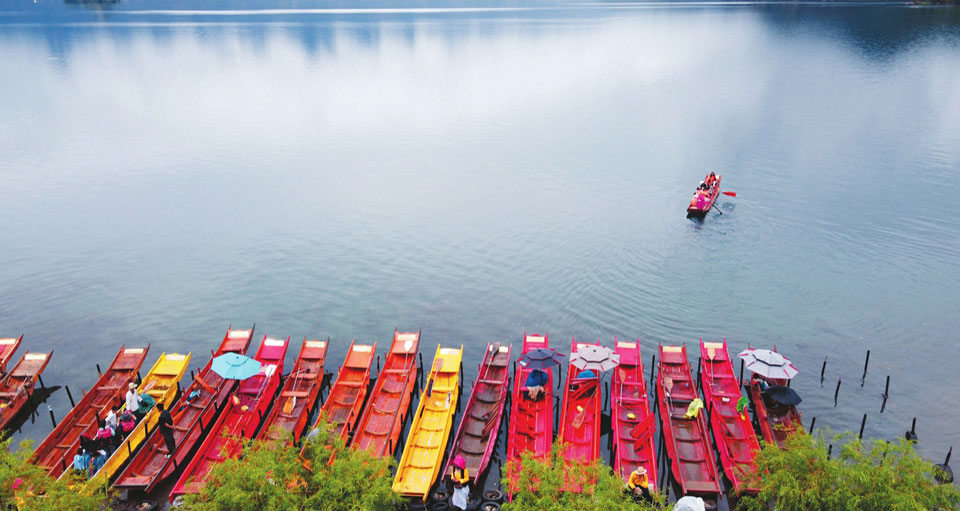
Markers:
{"x": 191, "y": 417}
{"x": 342, "y": 408}
{"x": 240, "y": 418}
{"x": 61, "y": 444}
{"x": 382, "y": 422}
{"x": 477, "y": 435}
{"x": 291, "y": 412}
{"x": 17, "y": 386}
{"x": 7, "y": 348}
{"x": 633, "y": 422}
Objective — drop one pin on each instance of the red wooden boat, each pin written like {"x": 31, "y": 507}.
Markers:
{"x": 531, "y": 421}
{"x": 379, "y": 429}
{"x": 633, "y": 422}
{"x": 732, "y": 431}
{"x": 244, "y": 412}
{"x": 17, "y": 385}
{"x": 151, "y": 465}
{"x": 289, "y": 416}
{"x": 580, "y": 418}
{"x": 477, "y": 434}
{"x": 342, "y": 408}
{"x": 777, "y": 421}
{"x": 61, "y": 444}
{"x": 7, "y": 348}
{"x": 687, "y": 439}
{"x": 700, "y": 204}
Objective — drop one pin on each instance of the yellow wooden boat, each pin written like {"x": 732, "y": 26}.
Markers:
{"x": 427, "y": 441}
{"x": 161, "y": 384}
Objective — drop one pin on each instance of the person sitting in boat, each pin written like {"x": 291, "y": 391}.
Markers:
{"x": 81, "y": 461}
{"x": 535, "y": 383}
{"x": 460, "y": 477}
{"x": 703, "y": 187}
{"x": 639, "y": 483}
{"x": 128, "y": 421}
{"x": 586, "y": 374}
{"x": 711, "y": 180}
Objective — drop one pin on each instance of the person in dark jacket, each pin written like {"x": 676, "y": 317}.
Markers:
{"x": 166, "y": 428}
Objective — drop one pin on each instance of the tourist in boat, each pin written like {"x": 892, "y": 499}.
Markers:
{"x": 535, "y": 383}
{"x": 111, "y": 419}
{"x": 166, "y": 429}
{"x": 460, "y": 477}
{"x": 586, "y": 374}
{"x": 127, "y": 422}
{"x": 97, "y": 462}
{"x": 81, "y": 461}
{"x": 639, "y": 483}
{"x": 711, "y": 180}
{"x": 105, "y": 436}
{"x": 133, "y": 400}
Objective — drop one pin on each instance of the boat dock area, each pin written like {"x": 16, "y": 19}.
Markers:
{"x": 691, "y": 432}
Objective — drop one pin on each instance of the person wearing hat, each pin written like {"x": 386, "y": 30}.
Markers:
{"x": 133, "y": 400}
{"x": 639, "y": 482}
{"x": 460, "y": 477}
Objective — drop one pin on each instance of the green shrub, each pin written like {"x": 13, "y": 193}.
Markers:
{"x": 36, "y": 490}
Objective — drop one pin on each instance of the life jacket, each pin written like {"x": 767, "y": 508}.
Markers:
{"x": 105, "y": 432}
{"x": 127, "y": 423}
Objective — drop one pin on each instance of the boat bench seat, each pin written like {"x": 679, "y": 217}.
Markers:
{"x": 294, "y": 393}
{"x": 396, "y": 371}
{"x": 8, "y": 394}
{"x": 701, "y": 486}
{"x": 491, "y": 382}
{"x": 350, "y": 383}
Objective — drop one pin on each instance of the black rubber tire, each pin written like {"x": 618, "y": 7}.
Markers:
{"x": 494, "y": 495}
{"x": 440, "y": 495}
{"x": 440, "y": 506}
{"x": 416, "y": 506}
{"x": 490, "y": 506}
{"x": 473, "y": 503}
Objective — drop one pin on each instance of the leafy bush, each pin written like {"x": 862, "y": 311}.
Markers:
{"x": 875, "y": 475}
{"x": 270, "y": 475}
{"x": 543, "y": 485}
{"x": 36, "y": 491}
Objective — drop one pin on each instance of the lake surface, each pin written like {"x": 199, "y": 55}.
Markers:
{"x": 482, "y": 169}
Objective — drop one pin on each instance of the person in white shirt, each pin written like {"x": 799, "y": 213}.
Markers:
{"x": 133, "y": 400}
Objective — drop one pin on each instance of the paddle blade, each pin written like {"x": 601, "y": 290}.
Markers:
{"x": 731, "y": 194}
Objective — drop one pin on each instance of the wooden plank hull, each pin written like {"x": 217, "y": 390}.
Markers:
{"x": 150, "y": 466}
{"x": 531, "y": 421}
{"x": 241, "y": 417}
{"x": 633, "y": 422}
{"x": 289, "y": 416}
{"x": 687, "y": 439}
{"x": 61, "y": 444}
{"x": 427, "y": 441}
{"x": 732, "y": 431}
{"x": 477, "y": 434}
{"x": 382, "y": 422}
{"x": 8, "y": 347}
{"x": 17, "y": 386}
{"x": 343, "y": 406}
{"x": 580, "y": 418}
{"x": 777, "y": 422}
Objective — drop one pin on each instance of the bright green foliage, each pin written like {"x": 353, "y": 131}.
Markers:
{"x": 545, "y": 485}
{"x": 38, "y": 491}
{"x": 273, "y": 476}
{"x": 875, "y": 475}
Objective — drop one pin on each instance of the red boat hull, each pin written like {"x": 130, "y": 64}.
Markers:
{"x": 150, "y": 466}
{"x": 61, "y": 444}
{"x": 7, "y": 348}
{"x": 243, "y": 413}
{"x": 687, "y": 440}
{"x": 344, "y": 404}
{"x": 531, "y": 421}
{"x": 701, "y": 209}
{"x": 633, "y": 423}
{"x": 776, "y": 422}
{"x": 382, "y": 422}
{"x": 17, "y": 385}
{"x": 289, "y": 416}
{"x": 580, "y": 417}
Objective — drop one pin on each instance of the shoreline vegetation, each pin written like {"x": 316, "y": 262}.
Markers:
{"x": 326, "y": 476}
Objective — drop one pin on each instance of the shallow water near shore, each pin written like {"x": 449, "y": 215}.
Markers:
{"x": 480, "y": 170}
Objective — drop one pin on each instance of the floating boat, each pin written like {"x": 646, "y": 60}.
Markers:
{"x": 61, "y": 444}
{"x": 732, "y": 431}
{"x": 151, "y": 465}
{"x": 162, "y": 384}
{"x": 382, "y": 422}
{"x": 8, "y": 347}
{"x": 477, "y": 434}
{"x": 290, "y": 413}
{"x": 343, "y": 405}
{"x": 687, "y": 439}
{"x": 241, "y": 417}
{"x": 699, "y": 206}
{"x": 580, "y": 416}
{"x": 531, "y": 421}
{"x": 777, "y": 421}
{"x": 17, "y": 386}
{"x": 634, "y": 424}
{"x": 427, "y": 440}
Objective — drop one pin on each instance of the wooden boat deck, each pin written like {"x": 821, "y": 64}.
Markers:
{"x": 61, "y": 444}
{"x": 8, "y": 346}
{"x": 150, "y": 465}
{"x": 531, "y": 421}
{"x": 582, "y": 403}
{"x": 480, "y": 424}
{"x": 777, "y": 421}
{"x": 244, "y": 412}
{"x": 290, "y": 413}
{"x": 733, "y": 433}
{"x": 344, "y": 403}
{"x": 687, "y": 441}
{"x": 634, "y": 424}
{"x": 427, "y": 440}
{"x": 382, "y": 422}
{"x": 17, "y": 385}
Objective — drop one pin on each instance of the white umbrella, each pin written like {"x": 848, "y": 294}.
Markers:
{"x": 689, "y": 504}
{"x": 593, "y": 357}
{"x": 768, "y": 364}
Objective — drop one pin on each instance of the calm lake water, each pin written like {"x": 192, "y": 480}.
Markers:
{"x": 483, "y": 169}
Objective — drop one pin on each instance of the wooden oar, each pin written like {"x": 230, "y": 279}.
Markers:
{"x": 433, "y": 373}
{"x": 730, "y": 194}
{"x": 578, "y": 420}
